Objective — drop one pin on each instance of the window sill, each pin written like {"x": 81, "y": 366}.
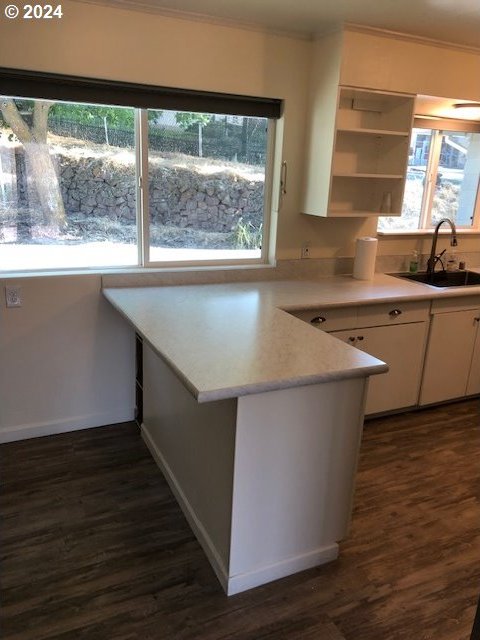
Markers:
{"x": 414, "y": 233}
{"x": 106, "y": 271}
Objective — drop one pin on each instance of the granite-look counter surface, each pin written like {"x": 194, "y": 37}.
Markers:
{"x": 229, "y": 340}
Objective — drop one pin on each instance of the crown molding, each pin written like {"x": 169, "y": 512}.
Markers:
{"x": 149, "y": 6}
{"x": 408, "y": 37}
{"x": 142, "y": 6}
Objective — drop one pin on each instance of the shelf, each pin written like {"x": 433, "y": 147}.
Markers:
{"x": 365, "y": 197}
{"x": 378, "y": 112}
{"x": 382, "y": 176}
{"x": 375, "y": 132}
{"x": 333, "y": 213}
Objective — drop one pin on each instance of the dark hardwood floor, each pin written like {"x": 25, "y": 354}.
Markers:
{"x": 94, "y": 546}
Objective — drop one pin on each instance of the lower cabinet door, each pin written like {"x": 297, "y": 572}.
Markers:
{"x": 473, "y": 386}
{"x": 449, "y": 356}
{"x": 402, "y": 347}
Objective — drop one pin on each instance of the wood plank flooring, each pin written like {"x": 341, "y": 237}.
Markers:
{"x": 94, "y": 546}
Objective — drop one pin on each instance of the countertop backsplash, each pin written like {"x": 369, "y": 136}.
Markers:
{"x": 307, "y": 269}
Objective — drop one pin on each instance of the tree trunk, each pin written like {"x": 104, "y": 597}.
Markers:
{"x": 42, "y": 171}
{"x": 23, "y": 217}
{"x": 38, "y": 160}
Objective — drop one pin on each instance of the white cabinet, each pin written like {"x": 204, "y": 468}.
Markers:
{"x": 419, "y": 374}
{"x": 452, "y": 364}
{"x": 401, "y": 347}
{"x": 393, "y": 332}
{"x": 473, "y": 385}
{"x": 364, "y": 172}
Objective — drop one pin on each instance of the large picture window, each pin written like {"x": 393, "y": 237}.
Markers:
{"x": 86, "y": 185}
{"x": 442, "y": 180}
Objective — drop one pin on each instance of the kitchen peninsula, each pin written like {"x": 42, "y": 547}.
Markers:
{"x": 255, "y": 419}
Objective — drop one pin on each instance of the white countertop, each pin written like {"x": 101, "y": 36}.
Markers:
{"x": 229, "y": 340}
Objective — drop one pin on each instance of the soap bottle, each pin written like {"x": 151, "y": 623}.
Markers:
{"x": 452, "y": 263}
{"x": 413, "y": 266}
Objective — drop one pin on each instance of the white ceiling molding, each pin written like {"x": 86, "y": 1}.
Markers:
{"x": 177, "y": 14}
{"x": 448, "y": 23}
{"x": 409, "y": 37}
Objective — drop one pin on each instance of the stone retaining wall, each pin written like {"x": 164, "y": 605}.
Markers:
{"x": 179, "y": 196}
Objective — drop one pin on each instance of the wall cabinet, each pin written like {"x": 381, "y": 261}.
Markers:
{"x": 363, "y": 171}
{"x": 452, "y": 363}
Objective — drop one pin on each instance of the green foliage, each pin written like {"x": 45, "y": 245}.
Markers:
{"x": 189, "y": 120}
{"x": 247, "y": 236}
{"x": 92, "y": 114}
{"x": 83, "y": 113}
{"x": 446, "y": 200}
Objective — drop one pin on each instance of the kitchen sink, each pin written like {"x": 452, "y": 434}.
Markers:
{"x": 443, "y": 278}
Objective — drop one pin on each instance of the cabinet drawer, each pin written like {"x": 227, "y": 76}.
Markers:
{"x": 329, "y": 319}
{"x": 451, "y": 305}
{"x": 392, "y": 313}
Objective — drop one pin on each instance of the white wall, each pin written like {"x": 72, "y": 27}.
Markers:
{"x": 66, "y": 359}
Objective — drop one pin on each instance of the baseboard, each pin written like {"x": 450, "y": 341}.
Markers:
{"x": 244, "y": 581}
{"x": 188, "y": 511}
{"x": 38, "y": 430}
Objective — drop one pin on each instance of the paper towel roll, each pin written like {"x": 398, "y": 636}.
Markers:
{"x": 365, "y": 254}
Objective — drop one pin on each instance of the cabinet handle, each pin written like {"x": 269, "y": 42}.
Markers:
{"x": 351, "y": 339}
{"x": 318, "y": 320}
{"x": 476, "y": 319}
{"x": 283, "y": 179}
{"x": 359, "y": 338}
{"x": 394, "y": 313}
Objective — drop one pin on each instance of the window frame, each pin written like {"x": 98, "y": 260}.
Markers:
{"x": 44, "y": 86}
{"x": 438, "y": 127}
{"x": 143, "y": 197}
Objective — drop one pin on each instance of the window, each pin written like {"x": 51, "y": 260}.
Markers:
{"x": 442, "y": 180}
{"x": 206, "y": 186}
{"x": 67, "y": 185}
{"x": 95, "y": 185}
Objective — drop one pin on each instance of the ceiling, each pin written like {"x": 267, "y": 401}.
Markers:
{"x": 447, "y": 108}
{"x": 454, "y": 21}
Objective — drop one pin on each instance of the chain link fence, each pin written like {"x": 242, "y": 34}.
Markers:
{"x": 222, "y": 138}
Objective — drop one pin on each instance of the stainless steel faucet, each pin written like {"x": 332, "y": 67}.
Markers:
{"x": 453, "y": 242}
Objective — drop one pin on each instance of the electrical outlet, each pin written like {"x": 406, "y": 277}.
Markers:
{"x": 13, "y": 296}
{"x": 305, "y": 251}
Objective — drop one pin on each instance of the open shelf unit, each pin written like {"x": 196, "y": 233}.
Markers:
{"x": 368, "y": 156}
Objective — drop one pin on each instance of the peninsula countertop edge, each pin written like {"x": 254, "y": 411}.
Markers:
{"x": 234, "y": 339}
